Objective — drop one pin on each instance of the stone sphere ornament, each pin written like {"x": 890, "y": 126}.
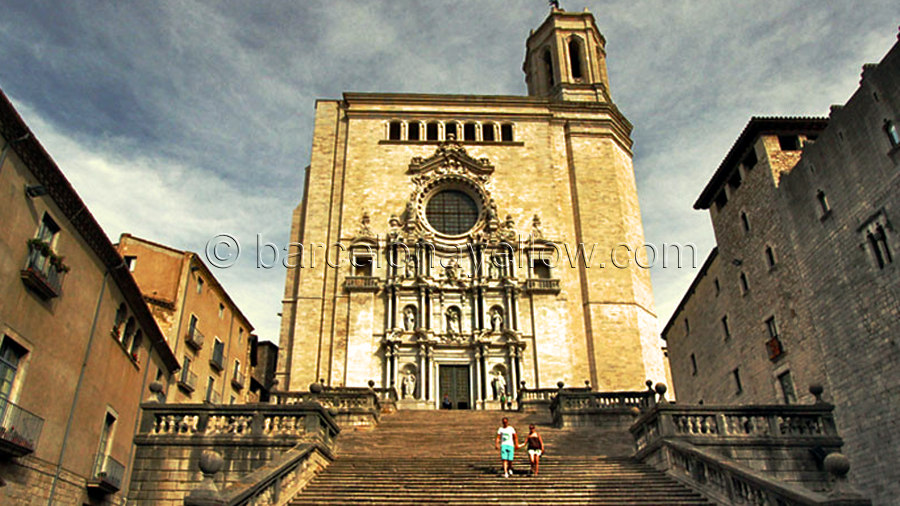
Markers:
{"x": 211, "y": 462}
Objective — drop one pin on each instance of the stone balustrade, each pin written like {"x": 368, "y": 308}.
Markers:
{"x": 580, "y": 407}
{"x": 275, "y": 483}
{"x": 787, "y": 444}
{"x": 729, "y": 483}
{"x": 171, "y": 437}
{"x": 736, "y": 424}
{"x": 358, "y": 406}
{"x": 539, "y": 399}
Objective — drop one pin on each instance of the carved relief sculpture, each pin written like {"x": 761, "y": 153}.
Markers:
{"x": 508, "y": 231}
{"x": 394, "y": 227}
{"x": 451, "y": 270}
{"x": 536, "y": 232}
{"x": 364, "y": 230}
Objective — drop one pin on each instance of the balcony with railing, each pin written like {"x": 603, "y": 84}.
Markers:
{"x": 19, "y": 430}
{"x": 237, "y": 380}
{"x": 361, "y": 284}
{"x": 187, "y": 380}
{"x": 107, "y": 475}
{"x": 194, "y": 338}
{"x": 44, "y": 271}
{"x": 542, "y": 285}
{"x": 217, "y": 361}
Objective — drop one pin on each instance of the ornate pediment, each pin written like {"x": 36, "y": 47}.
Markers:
{"x": 451, "y": 158}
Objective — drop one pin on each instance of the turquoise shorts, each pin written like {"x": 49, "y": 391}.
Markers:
{"x": 507, "y": 452}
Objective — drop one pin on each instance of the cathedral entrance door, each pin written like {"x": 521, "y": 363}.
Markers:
{"x": 454, "y": 383}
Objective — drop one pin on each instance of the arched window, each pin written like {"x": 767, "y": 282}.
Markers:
{"x": 121, "y": 313}
{"x": 136, "y": 343}
{"x": 412, "y": 131}
{"x": 506, "y": 132}
{"x": 129, "y": 331}
{"x": 487, "y": 132}
{"x": 431, "y": 131}
{"x": 548, "y": 68}
{"x": 575, "y": 58}
{"x": 395, "y": 129}
{"x": 450, "y": 131}
{"x": 469, "y": 131}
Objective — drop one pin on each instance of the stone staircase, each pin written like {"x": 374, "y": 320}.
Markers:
{"x": 448, "y": 457}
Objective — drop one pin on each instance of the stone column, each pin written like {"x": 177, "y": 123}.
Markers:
{"x": 421, "y": 321}
{"x": 430, "y": 360}
{"x": 394, "y": 352}
{"x": 421, "y": 378}
{"x": 512, "y": 353}
{"x": 514, "y": 309}
{"x": 478, "y": 376}
{"x": 391, "y": 302}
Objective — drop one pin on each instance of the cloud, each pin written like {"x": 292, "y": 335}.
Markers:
{"x": 177, "y": 120}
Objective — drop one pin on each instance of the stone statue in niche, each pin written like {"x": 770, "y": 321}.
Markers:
{"x": 408, "y": 385}
{"x": 498, "y": 385}
{"x": 409, "y": 319}
{"x": 496, "y": 320}
{"x": 410, "y": 267}
{"x": 452, "y": 321}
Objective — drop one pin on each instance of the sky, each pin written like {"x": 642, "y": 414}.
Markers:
{"x": 179, "y": 120}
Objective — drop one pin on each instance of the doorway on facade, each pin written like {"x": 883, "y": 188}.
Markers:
{"x": 454, "y": 383}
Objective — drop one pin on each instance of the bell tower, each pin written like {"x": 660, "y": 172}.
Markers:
{"x": 565, "y": 59}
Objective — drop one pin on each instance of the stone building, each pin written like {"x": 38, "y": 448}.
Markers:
{"x": 803, "y": 287}
{"x": 78, "y": 346}
{"x": 203, "y": 326}
{"x": 453, "y": 223}
{"x": 264, "y": 360}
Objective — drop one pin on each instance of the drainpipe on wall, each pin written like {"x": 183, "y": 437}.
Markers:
{"x": 87, "y": 353}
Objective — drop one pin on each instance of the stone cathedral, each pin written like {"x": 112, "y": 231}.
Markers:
{"x": 456, "y": 247}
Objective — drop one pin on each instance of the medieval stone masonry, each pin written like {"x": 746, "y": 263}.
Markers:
{"x": 805, "y": 274}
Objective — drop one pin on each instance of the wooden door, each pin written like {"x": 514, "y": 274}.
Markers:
{"x": 454, "y": 383}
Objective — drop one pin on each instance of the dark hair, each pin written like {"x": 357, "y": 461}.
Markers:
{"x": 531, "y": 426}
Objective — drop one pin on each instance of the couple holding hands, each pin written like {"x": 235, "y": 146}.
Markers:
{"x": 507, "y": 441}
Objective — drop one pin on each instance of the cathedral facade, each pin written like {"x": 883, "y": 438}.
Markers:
{"x": 457, "y": 247}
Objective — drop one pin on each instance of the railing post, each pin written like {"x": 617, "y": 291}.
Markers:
{"x": 207, "y": 494}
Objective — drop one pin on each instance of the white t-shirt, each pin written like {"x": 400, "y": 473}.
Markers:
{"x": 506, "y": 435}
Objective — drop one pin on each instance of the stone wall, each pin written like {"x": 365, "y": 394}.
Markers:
{"x": 835, "y": 305}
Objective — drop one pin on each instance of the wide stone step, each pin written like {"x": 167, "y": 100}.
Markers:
{"x": 449, "y": 458}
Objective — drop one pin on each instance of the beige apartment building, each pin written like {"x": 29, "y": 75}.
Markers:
{"x": 461, "y": 217}
{"x": 804, "y": 285}
{"x": 203, "y": 326}
{"x": 78, "y": 346}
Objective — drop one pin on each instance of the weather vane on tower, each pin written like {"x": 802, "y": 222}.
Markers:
{"x": 554, "y": 4}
